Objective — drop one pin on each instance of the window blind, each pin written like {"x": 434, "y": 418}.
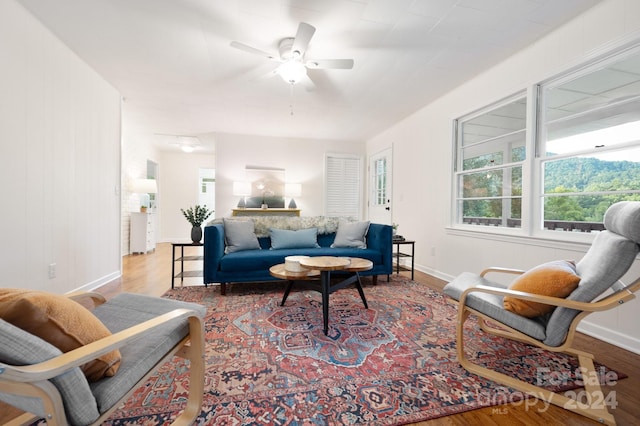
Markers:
{"x": 343, "y": 185}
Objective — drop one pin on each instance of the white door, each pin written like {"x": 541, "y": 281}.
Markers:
{"x": 380, "y": 187}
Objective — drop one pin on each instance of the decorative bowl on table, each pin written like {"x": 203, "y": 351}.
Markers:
{"x": 292, "y": 263}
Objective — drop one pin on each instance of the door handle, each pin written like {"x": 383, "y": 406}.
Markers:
{"x": 387, "y": 208}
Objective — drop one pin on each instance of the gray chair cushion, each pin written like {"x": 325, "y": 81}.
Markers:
{"x": 17, "y": 347}
{"x": 623, "y": 218}
{"x": 608, "y": 259}
{"x": 491, "y": 304}
{"x": 126, "y": 310}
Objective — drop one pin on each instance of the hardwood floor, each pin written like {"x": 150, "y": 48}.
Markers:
{"x": 151, "y": 274}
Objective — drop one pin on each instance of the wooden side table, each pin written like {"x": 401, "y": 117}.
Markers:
{"x": 398, "y": 254}
{"x": 182, "y": 274}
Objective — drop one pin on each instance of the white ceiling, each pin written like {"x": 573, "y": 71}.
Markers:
{"x": 171, "y": 59}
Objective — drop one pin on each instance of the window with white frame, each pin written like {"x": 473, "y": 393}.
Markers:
{"x": 587, "y": 151}
{"x": 589, "y": 142}
{"x": 490, "y": 152}
{"x": 379, "y": 182}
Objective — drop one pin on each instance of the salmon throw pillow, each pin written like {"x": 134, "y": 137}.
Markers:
{"x": 62, "y": 322}
{"x": 556, "y": 279}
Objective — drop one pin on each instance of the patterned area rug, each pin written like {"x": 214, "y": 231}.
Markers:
{"x": 393, "y": 363}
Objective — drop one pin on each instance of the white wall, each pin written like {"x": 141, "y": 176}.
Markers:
{"x": 178, "y": 185}
{"x": 302, "y": 159}
{"x": 59, "y": 162}
{"x": 137, "y": 148}
{"x": 423, "y": 160}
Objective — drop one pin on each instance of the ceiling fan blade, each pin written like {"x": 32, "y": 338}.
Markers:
{"x": 270, "y": 74}
{"x": 249, "y": 49}
{"x": 307, "y": 83}
{"x": 303, "y": 37}
{"x": 338, "y": 64}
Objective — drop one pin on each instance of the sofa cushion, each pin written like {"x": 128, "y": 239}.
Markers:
{"x": 240, "y": 235}
{"x": 252, "y": 260}
{"x": 286, "y": 239}
{"x": 351, "y": 234}
{"x": 63, "y": 322}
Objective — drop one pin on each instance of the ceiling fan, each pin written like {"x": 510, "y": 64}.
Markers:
{"x": 291, "y": 56}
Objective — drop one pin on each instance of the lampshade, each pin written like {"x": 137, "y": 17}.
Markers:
{"x": 242, "y": 188}
{"x": 292, "y": 189}
{"x": 144, "y": 186}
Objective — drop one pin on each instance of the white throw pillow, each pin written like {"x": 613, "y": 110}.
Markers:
{"x": 240, "y": 235}
{"x": 351, "y": 234}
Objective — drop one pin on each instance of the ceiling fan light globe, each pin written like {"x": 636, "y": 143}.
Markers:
{"x": 292, "y": 71}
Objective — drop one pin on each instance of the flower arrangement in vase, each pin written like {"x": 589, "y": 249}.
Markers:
{"x": 196, "y": 216}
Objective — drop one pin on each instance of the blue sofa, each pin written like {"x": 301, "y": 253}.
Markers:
{"x": 253, "y": 265}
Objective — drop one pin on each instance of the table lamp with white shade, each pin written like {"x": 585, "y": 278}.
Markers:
{"x": 292, "y": 190}
{"x": 241, "y": 189}
{"x": 144, "y": 187}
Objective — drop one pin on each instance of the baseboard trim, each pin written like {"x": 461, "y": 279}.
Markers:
{"x": 100, "y": 281}
{"x": 433, "y": 272}
{"x": 610, "y": 336}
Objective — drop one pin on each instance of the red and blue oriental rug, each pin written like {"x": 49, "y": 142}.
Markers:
{"x": 391, "y": 364}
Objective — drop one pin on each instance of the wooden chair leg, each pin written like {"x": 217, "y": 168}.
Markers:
{"x": 194, "y": 352}
{"x": 596, "y": 406}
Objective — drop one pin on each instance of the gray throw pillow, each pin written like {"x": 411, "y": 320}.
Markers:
{"x": 286, "y": 239}
{"x": 351, "y": 234}
{"x": 240, "y": 235}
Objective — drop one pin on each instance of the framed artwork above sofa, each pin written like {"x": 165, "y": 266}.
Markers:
{"x": 267, "y": 187}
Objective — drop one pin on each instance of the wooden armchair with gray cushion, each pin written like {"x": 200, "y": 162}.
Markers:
{"x": 107, "y": 352}
{"x": 543, "y": 306}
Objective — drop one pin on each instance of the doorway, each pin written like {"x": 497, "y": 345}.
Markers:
{"x": 207, "y": 188}
{"x": 152, "y": 173}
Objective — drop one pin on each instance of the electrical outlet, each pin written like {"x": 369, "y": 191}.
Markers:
{"x": 52, "y": 271}
{"x": 433, "y": 250}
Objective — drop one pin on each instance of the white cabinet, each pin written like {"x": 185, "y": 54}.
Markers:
{"x": 143, "y": 235}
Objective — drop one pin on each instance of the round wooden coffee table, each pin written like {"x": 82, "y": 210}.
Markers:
{"x": 324, "y": 265}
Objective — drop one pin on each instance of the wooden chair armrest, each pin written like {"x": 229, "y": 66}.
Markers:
{"x": 77, "y": 357}
{"x": 600, "y": 305}
{"x": 501, "y": 270}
